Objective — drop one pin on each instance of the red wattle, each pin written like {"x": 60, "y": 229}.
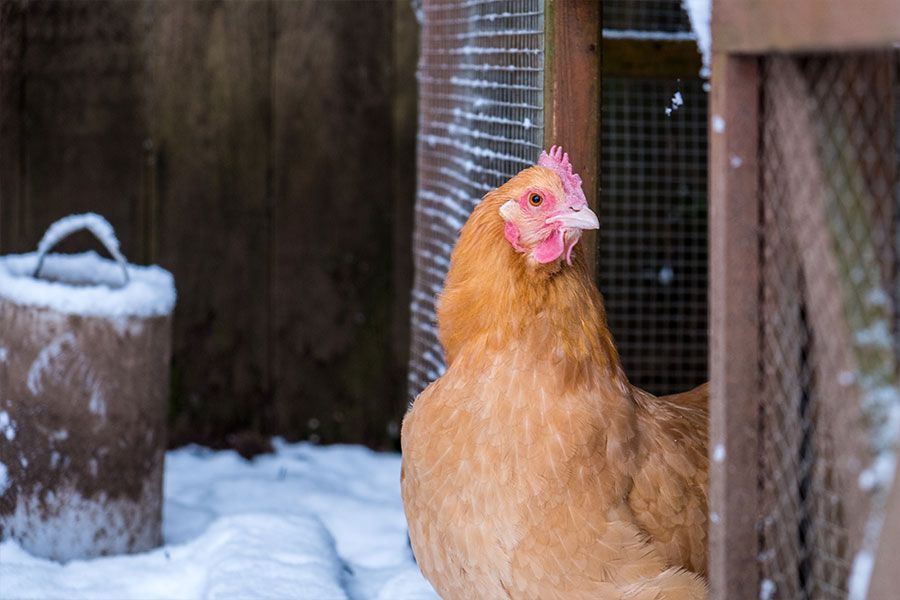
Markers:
{"x": 551, "y": 248}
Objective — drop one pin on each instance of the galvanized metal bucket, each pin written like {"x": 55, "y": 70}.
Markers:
{"x": 84, "y": 375}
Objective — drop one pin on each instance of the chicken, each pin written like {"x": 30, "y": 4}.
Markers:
{"x": 669, "y": 497}
{"x": 532, "y": 469}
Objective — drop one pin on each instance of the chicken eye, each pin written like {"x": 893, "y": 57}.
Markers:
{"x": 535, "y": 200}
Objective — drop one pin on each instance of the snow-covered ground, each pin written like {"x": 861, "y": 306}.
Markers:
{"x": 307, "y": 523}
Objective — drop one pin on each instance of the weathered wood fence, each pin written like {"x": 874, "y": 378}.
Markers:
{"x": 261, "y": 151}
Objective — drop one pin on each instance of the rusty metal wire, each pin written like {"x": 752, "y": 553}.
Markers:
{"x": 830, "y": 206}
{"x": 480, "y": 122}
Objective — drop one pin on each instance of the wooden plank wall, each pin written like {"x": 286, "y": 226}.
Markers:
{"x": 256, "y": 151}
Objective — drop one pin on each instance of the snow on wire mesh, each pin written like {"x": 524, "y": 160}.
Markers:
{"x": 480, "y": 122}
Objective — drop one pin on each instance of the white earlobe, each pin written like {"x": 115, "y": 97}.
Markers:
{"x": 509, "y": 210}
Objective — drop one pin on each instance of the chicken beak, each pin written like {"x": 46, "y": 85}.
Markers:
{"x": 577, "y": 218}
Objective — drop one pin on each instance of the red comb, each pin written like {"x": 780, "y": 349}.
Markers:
{"x": 558, "y": 161}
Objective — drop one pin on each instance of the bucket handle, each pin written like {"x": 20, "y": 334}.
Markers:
{"x": 94, "y": 223}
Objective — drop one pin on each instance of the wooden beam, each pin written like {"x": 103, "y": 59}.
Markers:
{"x": 734, "y": 313}
{"x": 761, "y": 26}
{"x": 572, "y": 93}
{"x": 626, "y": 57}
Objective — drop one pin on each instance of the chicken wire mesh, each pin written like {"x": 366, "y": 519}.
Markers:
{"x": 830, "y": 207}
{"x": 481, "y": 88}
{"x": 652, "y": 266}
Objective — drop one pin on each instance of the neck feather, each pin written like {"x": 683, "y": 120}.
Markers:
{"x": 493, "y": 298}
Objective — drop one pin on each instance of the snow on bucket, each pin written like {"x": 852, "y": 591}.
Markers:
{"x": 84, "y": 376}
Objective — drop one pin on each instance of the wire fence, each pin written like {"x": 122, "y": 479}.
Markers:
{"x": 481, "y": 90}
{"x": 830, "y": 208}
{"x": 652, "y": 266}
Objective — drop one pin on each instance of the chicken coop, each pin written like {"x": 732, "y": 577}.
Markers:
{"x": 749, "y": 209}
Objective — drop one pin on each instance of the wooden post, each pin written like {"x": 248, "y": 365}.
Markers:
{"x": 572, "y": 93}
{"x": 734, "y": 313}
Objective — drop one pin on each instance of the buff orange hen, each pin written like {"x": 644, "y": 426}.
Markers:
{"x": 532, "y": 469}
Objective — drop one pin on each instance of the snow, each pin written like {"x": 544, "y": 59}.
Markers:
{"x": 64, "y": 524}
{"x": 700, "y": 14}
{"x": 766, "y": 589}
{"x": 636, "y": 34}
{"x": 878, "y": 297}
{"x": 846, "y": 378}
{"x": 881, "y": 410}
{"x": 666, "y": 275}
{"x": 43, "y": 363}
{"x": 674, "y": 104}
{"x": 718, "y": 124}
{"x": 719, "y": 453}
{"x": 860, "y": 574}
{"x": 308, "y": 522}
{"x": 86, "y": 284}
{"x": 4, "y": 478}
{"x": 93, "y": 222}
{"x": 7, "y": 427}
{"x": 878, "y": 334}
{"x": 881, "y": 471}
